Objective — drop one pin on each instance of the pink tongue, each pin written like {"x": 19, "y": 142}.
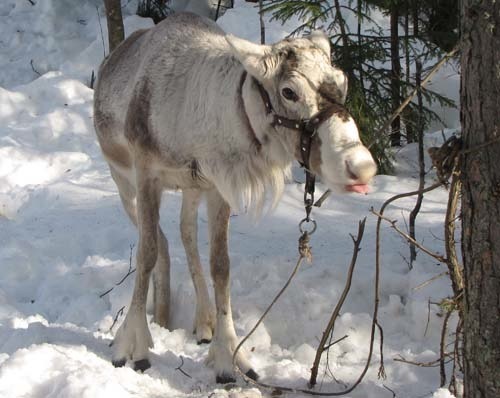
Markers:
{"x": 359, "y": 188}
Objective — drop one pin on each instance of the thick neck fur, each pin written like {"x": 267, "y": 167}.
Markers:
{"x": 248, "y": 175}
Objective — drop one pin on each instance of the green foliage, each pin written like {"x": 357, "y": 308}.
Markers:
{"x": 312, "y": 12}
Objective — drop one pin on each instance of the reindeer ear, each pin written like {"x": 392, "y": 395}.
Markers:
{"x": 321, "y": 40}
{"x": 340, "y": 79}
{"x": 254, "y": 57}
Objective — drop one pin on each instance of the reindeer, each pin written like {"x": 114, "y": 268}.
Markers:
{"x": 183, "y": 106}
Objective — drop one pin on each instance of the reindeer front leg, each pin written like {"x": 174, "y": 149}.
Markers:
{"x": 225, "y": 340}
{"x": 133, "y": 339}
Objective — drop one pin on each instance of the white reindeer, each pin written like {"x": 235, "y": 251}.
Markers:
{"x": 184, "y": 106}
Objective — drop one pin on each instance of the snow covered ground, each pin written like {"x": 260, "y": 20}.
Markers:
{"x": 65, "y": 240}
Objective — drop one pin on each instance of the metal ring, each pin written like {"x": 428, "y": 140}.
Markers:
{"x": 315, "y": 225}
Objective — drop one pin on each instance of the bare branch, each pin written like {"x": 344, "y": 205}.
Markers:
{"x": 423, "y": 284}
{"x": 455, "y": 270}
{"x": 33, "y": 68}
{"x": 430, "y": 364}
{"x": 331, "y": 324}
{"x": 381, "y": 369}
{"x": 409, "y": 238}
{"x": 428, "y": 317}
{"x": 118, "y": 314}
{"x": 179, "y": 368}
{"x": 403, "y": 105}
{"x": 102, "y": 34}
{"x": 335, "y": 342}
{"x": 442, "y": 370}
{"x": 129, "y": 272}
{"x": 392, "y": 391}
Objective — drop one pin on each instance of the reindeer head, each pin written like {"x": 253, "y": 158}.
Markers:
{"x": 303, "y": 86}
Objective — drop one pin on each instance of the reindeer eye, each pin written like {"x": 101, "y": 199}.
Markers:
{"x": 289, "y": 94}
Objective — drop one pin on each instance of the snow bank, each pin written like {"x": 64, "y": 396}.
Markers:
{"x": 66, "y": 241}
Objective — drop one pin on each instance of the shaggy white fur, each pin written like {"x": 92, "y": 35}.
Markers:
{"x": 178, "y": 107}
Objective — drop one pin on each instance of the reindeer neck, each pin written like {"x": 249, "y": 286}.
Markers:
{"x": 260, "y": 121}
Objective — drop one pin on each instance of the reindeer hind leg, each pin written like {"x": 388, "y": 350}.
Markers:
{"x": 161, "y": 272}
{"x": 133, "y": 338}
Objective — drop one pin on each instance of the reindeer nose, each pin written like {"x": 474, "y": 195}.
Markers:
{"x": 349, "y": 171}
{"x": 362, "y": 170}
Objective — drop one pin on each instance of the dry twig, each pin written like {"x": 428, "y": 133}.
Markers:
{"x": 331, "y": 324}
{"x": 118, "y": 314}
{"x": 179, "y": 368}
{"x": 430, "y": 364}
{"x": 33, "y": 68}
{"x": 409, "y": 238}
{"x": 330, "y": 345}
{"x": 442, "y": 370}
{"x": 129, "y": 272}
{"x": 425, "y": 283}
{"x": 392, "y": 391}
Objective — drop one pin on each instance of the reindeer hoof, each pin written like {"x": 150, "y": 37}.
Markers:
{"x": 203, "y": 341}
{"x": 225, "y": 378}
{"x": 142, "y": 365}
{"x": 119, "y": 363}
{"x": 252, "y": 374}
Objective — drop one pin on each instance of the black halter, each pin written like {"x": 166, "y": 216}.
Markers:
{"x": 307, "y": 129}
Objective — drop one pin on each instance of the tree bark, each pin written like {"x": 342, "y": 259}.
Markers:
{"x": 480, "y": 104}
{"x": 116, "y": 32}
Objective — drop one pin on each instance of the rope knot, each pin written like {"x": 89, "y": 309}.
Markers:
{"x": 444, "y": 157}
{"x": 304, "y": 248}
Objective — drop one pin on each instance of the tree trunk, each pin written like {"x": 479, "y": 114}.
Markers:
{"x": 262, "y": 26}
{"x": 419, "y": 129}
{"x": 395, "y": 77}
{"x": 480, "y": 104}
{"x": 115, "y": 23}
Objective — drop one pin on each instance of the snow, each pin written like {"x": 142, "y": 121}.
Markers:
{"x": 65, "y": 240}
